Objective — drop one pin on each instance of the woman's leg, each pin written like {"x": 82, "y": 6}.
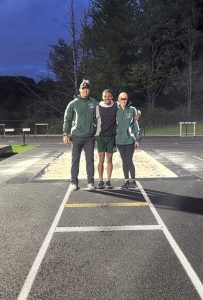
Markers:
{"x": 123, "y": 153}
{"x": 129, "y": 159}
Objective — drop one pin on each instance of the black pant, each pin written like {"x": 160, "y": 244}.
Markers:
{"x": 79, "y": 143}
{"x": 126, "y": 153}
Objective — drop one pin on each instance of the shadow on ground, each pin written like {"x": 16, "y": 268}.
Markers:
{"x": 158, "y": 199}
{"x": 176, "y": 202}
{"x": 127, "y": 195}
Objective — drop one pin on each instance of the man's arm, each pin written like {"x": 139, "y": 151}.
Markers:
{"x": 68, "y": 118}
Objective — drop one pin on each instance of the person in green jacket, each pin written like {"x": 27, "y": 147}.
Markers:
{"x": 127, "y": 138}
{"x": 79, "y": 128}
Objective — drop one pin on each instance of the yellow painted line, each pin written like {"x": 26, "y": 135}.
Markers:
{"x": 106, "y": 204}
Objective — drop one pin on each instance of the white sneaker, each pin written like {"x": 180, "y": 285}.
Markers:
{"x": 73, "y": 186}
{"x": 90, "y": 186}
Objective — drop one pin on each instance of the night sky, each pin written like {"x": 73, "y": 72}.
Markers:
{"x": 27, "y": 29}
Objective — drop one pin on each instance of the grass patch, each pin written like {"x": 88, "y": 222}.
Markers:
{"x": 21, "y": 148}
{"x": 174, "y": 129}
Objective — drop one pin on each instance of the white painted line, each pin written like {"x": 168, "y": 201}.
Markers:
{"x": 108, "y": 228}
{"x": 197, "y": 157}
{"x": 38, "y": 260}
{"x": 182, "y": 258}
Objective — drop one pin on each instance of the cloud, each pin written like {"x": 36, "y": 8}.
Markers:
{"x": 28, "y": 28}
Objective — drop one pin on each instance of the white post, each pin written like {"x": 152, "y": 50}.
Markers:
{"x": 180, "y": 128}
{"x": 194, "y": 124}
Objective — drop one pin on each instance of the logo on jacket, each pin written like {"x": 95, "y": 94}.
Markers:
{"x": 91, "y": 105}
{"x": 129, "y": 116}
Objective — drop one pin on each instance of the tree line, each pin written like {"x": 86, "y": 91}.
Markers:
{"x": 150, "y": 48}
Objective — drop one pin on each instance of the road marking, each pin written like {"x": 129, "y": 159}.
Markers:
{"x": 38, "y": 260}
{"x": 108, "y": 228}
{"x": 179, "y": 253}
{"x": 79, "y": 205}
{"x": 197, "y": 157}
{"x": 161, "y": 226}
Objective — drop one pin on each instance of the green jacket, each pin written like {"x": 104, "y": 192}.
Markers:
{"x": 128, "y": 130}
{"x": 80, "y": 117}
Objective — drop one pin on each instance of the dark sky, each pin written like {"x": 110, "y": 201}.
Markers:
{"x": 27, "y": 29}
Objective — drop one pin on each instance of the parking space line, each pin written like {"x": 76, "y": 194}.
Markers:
{"x": 118, "y": 204}
{"x": 42, "y": 251}
{"x": 108, "y": 228}
{"x": 179, "y": 253}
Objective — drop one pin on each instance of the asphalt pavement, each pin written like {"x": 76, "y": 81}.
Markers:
{"x": 102, "y": 244}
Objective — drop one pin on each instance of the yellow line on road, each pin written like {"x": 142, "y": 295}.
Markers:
{"x": 106, "y": 204}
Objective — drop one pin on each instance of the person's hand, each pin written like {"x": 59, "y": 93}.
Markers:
{"x": 137, "y": 145}
{"x": 66, "y": 139}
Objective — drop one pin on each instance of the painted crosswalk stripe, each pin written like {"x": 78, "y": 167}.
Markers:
{"x": 118, "y": 204}
{"x": 108, "y": 228}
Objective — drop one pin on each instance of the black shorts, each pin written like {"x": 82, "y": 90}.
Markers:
{"x": 106, "y": 143}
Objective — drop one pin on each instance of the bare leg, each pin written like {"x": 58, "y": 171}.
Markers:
{"x": 101, "y": 165}
{"x": 109, "y": 166}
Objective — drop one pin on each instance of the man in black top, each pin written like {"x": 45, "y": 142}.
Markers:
{"x": 105, "y": 135}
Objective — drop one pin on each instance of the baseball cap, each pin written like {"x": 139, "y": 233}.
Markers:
{"x": 85, "y": 84}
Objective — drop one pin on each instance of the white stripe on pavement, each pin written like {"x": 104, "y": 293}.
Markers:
{"x": 38, "y": 260}
{"x": 108, "y": 228}
{"x": 179, "y": 253}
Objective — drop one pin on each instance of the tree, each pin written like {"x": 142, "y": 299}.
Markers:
{"x": 148, "y": 82}
{"x": 74, "y": 48}
{"x": 107, "y": 38}
{"x": 15, "y": 98}
{"x": 189, "y": 39}
{"x": 157, "y": 58}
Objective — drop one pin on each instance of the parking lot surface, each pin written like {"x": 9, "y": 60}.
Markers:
{"x": 102, "y": 244}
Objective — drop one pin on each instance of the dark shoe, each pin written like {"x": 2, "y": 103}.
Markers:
{"x": 74, "y": 186}
{"x": 108, "y": 185}
{"x": 100, "y": 185}
{"x": 133, "y": 185}
{"x": 125, "y": 186}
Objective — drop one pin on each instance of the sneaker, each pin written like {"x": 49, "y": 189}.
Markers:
{"x": 133, "y": 185}
{"x": 100, "y": 185}
{"x": 74, "y": 186}
{"x": 125, "y": 186}
{"x": 91, "y": 186}
{"x": 108, "y": 185}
